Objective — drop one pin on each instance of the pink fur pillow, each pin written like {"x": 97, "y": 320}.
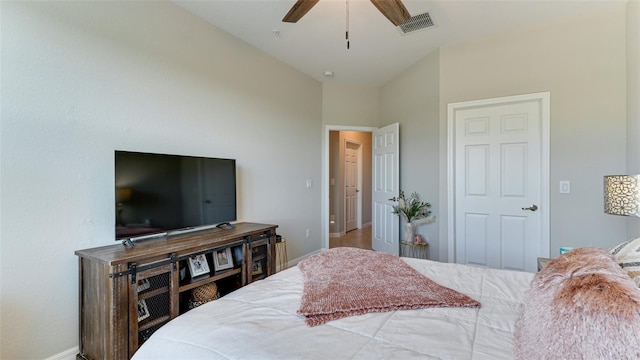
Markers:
{"x": 582, "y": 305}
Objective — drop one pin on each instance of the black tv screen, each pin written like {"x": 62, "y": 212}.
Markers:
{"x": 159, "y": 193}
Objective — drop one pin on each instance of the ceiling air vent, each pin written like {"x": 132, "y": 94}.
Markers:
{"x": 415, "y": 23}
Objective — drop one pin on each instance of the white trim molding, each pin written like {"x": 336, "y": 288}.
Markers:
{"x": 545, "y": 107}
{"x": 66, "y": 355}
{"x": 324, "y": 212}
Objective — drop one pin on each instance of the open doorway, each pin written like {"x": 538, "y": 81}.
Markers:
{"x": 350, "y": 192}
{"x": 384, "y": 184}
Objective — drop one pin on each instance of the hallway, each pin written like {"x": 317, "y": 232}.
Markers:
{"x": 359, "y": 238}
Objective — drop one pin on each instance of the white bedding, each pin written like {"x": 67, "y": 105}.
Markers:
{"x": 259, "y": 321}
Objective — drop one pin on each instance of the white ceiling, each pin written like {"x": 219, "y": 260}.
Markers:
{"x": 378, "y": 50}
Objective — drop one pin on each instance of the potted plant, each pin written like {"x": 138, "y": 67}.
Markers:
{"x": 412, "y": 210}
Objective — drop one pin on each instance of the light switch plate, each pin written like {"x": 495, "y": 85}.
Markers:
{"x": 565, "y": 187}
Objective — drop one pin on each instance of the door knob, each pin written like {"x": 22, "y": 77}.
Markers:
{"x": 393, "y": 199}
{"x": 532, "y": 208}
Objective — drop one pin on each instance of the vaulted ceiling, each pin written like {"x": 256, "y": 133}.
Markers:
{"x": 378, "y": 51}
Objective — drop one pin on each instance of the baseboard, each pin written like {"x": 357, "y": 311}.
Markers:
{"x": 343, "y": 233}
{"x": 66, "y": 355}
{"x": 295, "y": 261}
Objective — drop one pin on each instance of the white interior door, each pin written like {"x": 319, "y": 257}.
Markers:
{"x": 499, "y": 188}
{"x": 351, "y": 185}
{"x": 386, "y": 183}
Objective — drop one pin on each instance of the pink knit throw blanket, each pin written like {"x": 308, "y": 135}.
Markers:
{"x": 347, "y": 281}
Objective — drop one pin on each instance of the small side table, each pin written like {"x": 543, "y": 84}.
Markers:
{"x": 418, "y": 251}
{"x": 542, "y": 262}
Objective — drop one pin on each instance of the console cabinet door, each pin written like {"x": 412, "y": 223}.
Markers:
{"x": 154, "y": 301}
{"x": 260, "y": 258}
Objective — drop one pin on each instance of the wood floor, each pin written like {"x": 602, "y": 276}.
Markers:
{"x": 359, "y": 238}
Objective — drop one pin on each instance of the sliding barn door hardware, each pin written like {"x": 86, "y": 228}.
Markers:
{"x": 133, "y": 269}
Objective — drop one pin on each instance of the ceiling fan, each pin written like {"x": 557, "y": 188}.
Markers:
{"x": 393, "y": 10}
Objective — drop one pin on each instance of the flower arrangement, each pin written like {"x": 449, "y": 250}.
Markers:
{"x": 411, "y": 208}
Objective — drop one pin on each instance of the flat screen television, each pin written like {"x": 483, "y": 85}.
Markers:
{"x": 158, "y": 194}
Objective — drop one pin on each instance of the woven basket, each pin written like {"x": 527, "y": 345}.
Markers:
{"x": 281, "y": 254}
{"x": 195, "y": 304}
{"x": 205, "y": 292}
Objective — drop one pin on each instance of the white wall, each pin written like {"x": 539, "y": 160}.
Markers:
{"x": 633, "y": 102}
{"x": 412, "y": 99}
{"x": 353, "y": 105}
{"x": 81, "y": 79}
{"x": 584, "y": 68}
{"x": 343, "y": 105}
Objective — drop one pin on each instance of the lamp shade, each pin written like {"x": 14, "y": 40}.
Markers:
{"x": 123, "y": 195}
{"x": 622, "y": 195}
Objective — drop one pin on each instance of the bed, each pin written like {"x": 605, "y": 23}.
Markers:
{"x": 260, "y": 321}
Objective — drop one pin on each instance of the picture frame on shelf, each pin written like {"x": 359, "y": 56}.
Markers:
{"x": 143, "y": 285}
{"x": 143, "y": 310}
{"x": 256, "y": 268}
{"x": 198, "y": 265}
{"x": 222, "y": 259}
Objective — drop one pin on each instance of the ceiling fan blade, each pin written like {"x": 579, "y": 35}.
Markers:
{"x": 298, "y": 10}
{"x": 393, "y": 10}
